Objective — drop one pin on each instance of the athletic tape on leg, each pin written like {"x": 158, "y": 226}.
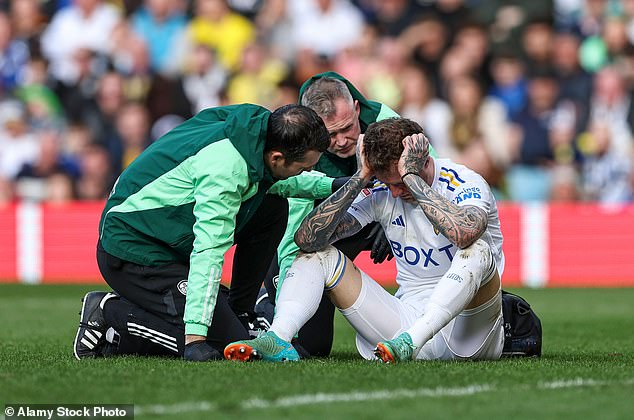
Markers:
{"x": 338, "y": 272}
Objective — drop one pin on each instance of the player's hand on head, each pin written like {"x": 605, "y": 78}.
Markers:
{"x": 415, "y": 153}
{"x": 362, "y": 165}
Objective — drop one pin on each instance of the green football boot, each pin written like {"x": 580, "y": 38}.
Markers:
{"x": 267, "y": 346}
{"x": 395, "y": 350}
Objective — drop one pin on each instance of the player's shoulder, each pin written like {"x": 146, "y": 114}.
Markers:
{"x": 453, "y": 178}
{"x": 455, "y": 174}
{"x": 376, "y": 190}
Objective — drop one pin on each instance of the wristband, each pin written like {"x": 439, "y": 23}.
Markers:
{"x": 409, "y": 173}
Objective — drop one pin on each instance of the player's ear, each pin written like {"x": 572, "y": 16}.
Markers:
{"x": 277, "y": 159}
{"x": 357, "y": 107}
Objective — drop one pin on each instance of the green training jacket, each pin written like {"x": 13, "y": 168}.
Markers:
{"x": 184, "y": 197}
{"x": 329, "y": 165}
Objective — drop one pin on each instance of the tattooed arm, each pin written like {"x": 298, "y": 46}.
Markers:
{"x": 461, "y": 225}
{"x": 330, "y": 221}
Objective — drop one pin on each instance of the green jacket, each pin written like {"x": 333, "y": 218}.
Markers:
{"x": 184, "y": 197}
{"x": 329, "y": 165}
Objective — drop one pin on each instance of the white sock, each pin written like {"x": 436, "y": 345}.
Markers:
{"x": 299, "y": 296}
{"x": 470, "y": 267}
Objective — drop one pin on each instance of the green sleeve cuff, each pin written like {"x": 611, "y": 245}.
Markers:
{"x": 196, "y": 329}
{"x": 324, "y": 187}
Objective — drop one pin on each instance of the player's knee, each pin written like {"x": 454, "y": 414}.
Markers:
{"x": 332, "y": 264}
{"x": 329, "y": 263}
{"x": 478, "y": 258}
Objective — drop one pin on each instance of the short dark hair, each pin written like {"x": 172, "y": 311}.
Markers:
{"x": 322, "y": 94}
{"x": 383, "y": 142}
{"x": 294, "y": 130}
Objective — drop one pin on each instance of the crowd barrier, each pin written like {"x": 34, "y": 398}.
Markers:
{"x": 554, "y": 245}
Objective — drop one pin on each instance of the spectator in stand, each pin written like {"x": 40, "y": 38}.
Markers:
{"x": 614, "y": 36}
{"x": 27, "y": 20}
{"x": 605, "y": 173}
{"x": 478, "y": 130}
{"x": 100, "y": 116}
{"x": 76, "y": 139}
{"x": 215, "y": 25}
{"x": 529, "y": 178}
{"x": 393, "y": 17}
{"x": 97, "y": 177}
{"x": 161, "y": 24}
{"x": 257, "y": 78}
{"x": 14, "y": 56}
{"x": 591, "y": 18}
{"x": 565, "y": 184}
{"x": 60, "y": 189}
{"x": 204, "y": 78}
{"x": 18, "y": 145}
{"x": 453, "y": 66}
{"x": 420, "y": 105}
{"x": 355, "y": 60}
{"x": 133, "y": 130}
{"x": 51, "y": 158}
{"x": 453, "y": 13}
{"x": 274, "y": 27}
{"x": 32, "y": 179}
{"x": 537, "y": 45}
{"x": 44, "y": 109}
{"x": 611, "y": 104}
{"x": 383, "y": 76}
{"x": 325, "y": 26}
{"x": 85, "y": 25}
{"x": 77, "y": 95}
{"x": 472, "y": 40}
{"x": 575, "y": 84}
{"x": 426, "y": 41}
{"x": 509, "y": 82}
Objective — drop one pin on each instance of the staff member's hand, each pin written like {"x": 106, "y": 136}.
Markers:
{"x": 201, "y": 351}
{"x": 362, "y": 165}
{"x": 380, "y": 247}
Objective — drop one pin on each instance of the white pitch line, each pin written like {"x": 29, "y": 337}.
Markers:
{"x": 180, "y": 408}
{"x": 320, "y": 398}
{"x": 358, "y": 396}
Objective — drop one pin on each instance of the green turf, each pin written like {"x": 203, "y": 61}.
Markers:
{"x": 587, "y": 370}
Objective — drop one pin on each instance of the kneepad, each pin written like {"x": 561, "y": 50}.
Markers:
{"x": 522, "y": 328}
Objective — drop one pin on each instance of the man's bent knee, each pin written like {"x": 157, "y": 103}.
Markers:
{"x": 342, "y": 278}
{"x": 482, "y": 265}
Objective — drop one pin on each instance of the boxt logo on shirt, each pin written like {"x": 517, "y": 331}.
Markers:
{"x": 422, "y": 256}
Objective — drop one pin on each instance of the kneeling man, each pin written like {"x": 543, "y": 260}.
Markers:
{"x": 442, "y": 223}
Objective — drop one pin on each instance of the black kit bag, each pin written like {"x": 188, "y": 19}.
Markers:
{"x": 522, "y": 328}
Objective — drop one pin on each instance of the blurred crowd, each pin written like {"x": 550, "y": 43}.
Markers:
{"x": 534, "y": 95}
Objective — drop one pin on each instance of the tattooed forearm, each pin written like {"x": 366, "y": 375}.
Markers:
{"x": 327, "y": 222}
{"x": 461, "y": 225}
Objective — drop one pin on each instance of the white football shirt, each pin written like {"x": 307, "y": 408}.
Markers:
{"x": 422, "y": 254}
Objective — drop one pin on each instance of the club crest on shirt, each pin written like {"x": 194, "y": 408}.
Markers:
{"x": 451, "y": 178}
{"x": 182, "y": 287}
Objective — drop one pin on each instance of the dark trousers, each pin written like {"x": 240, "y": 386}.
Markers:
{"x": 316, "y": 336}
{"x": 149, "y": 314}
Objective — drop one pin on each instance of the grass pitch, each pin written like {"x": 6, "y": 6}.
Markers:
{"x": 587, "y": 370}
